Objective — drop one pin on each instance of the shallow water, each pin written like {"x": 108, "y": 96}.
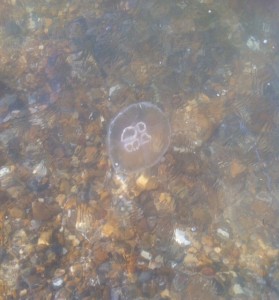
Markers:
{"x": 200, "y": 219}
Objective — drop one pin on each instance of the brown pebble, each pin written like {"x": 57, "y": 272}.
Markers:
{"x": 236, "y": 168}
{"x": 64, "y": 186}
{"x": 208, "y": 271}
{"x": 60, "y": 199}
{"x": 45, "y": 238}
{"x": 47, "y": 23}
{"x": 146, "y": 183}
{"x": 17, "y": 213}
{"x": 164, "y": 202}
{"x": 90, "y": 154}
{"x": 43, "y": 211}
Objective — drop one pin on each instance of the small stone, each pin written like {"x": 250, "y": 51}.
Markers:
{"x": 217, "y": 250}
{"x": 108, "y": 230}
{"x": 191, "y": 260}
{"x": 237, "y": 289}
{"x": 57, "y": 282}
{"x": 164, "y": 203}
{"x": 208, "y": 271}
{"x": 157, "y": 263}
{"x": 146, "y": 255}
{"x": 140, "y": 71}
{"x": 60, "y": 199}
{"x": 207, "y": 241}
{"x": 74, "y": 240}
{"x": 223, "y": 233}
{"x": 59, "y": 272}
{"x": 142, "y": 182}
{"x": 236, "y": 168}
{"x": 191, "y": 127}
{"x": 114, "y": 89}
{"x": 76, "y": 270}
{"x": 14, "y": 191}
{"x": 40, "y": 169}
{"x": 181, "y": 238}
{"x": 23, "y": 293}
{"x": 145, "y": 183}
{"x": 64, "y": 186}
{"x": 17, "y": 213}
{"x": 45, "y": 238}
{"x": 100, "y": 256}
{"x": 4, "y": 171}
{"x": 47, "y": 23}
{"x": 165, "y": 294}
{"x": 84, "y": 218}
{"x": 253, "y": 44}
{"x": 90, "y": 154}
{"x": 192, "y": 250}
{"x": 44, "y": 212}
{"x": 145, "y": 276}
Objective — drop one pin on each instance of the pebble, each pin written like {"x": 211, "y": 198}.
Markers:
{"x": 114, "y": 89}
{"x": 90, "y": 154}
{"x": 17, "y": 213}
{"x": 40, "y": 169}
{"x": 44, "y": 212}
{"x": 57, "y": 282}
{"x": 60, "y": 199}
{"x": 74, "y": 240}
{"x": 145, "y": 183}
{"x": 146, "y": 255}
{"x": 223, "y": 233}
{"x": 142, "y": 182}
{"x": 45, "y": 238}
{"x": 181, "y": 238}
{"x": 4, "y": 171}
{"x": 164, "y": 203}
{"x": 191, "y": 260}
{"x": 145, "y": 276}
{"x": 253, "y": 44}
{"x": 237, "y": 289}
{"x": 236, "y": 168}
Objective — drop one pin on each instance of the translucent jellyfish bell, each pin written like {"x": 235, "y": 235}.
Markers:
{"x": 138, "y": 137}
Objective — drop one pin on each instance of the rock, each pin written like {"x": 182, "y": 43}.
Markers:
{"x": 164, "y": 203}
{"x": 181, "y": 238}
{"x": 90, "y": 154}
{"x": 43, "y": 212}
{"x": 236, "y": 168}
{"x": 60, "y": 199}
{"x": 17, "y": 212}
{"x": 45, "y": 238}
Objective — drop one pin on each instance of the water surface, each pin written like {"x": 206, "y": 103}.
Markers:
{"x": 202, "y": 221}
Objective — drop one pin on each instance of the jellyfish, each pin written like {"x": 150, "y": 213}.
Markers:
{"x": 138, "y": 137}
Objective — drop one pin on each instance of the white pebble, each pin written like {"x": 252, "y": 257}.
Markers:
{"x": 181, "y": 238}
{"x": 4, "y": 171}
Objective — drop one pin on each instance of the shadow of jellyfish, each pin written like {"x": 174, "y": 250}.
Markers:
{"x": 138, "y": 137}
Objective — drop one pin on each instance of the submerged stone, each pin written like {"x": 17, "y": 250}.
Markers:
{"x": 138, "y": 137}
